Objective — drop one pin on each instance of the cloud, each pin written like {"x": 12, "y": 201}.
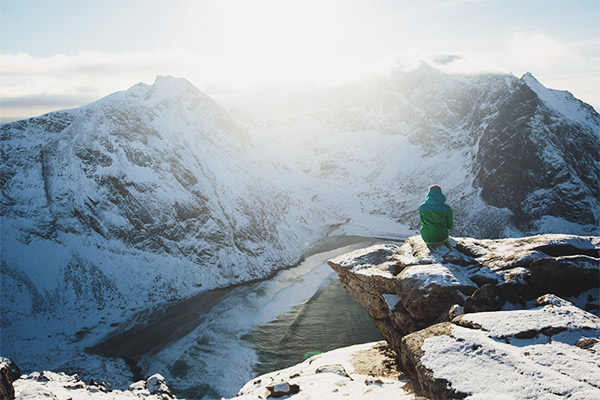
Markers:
{"x": 66, "y": 81}
{"x": 452, "y": 62}
{"x": 536, "y": 51}
{"x": 45, "y": 100}
{"x": 86, "y": 73}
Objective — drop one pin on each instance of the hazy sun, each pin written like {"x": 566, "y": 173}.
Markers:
{"x": 281, "y": 41}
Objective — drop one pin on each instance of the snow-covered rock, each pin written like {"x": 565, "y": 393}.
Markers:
{"x": 525, "y": 354}
{"x": 61, "y": 386}
{"x": 365, "y": 371}
{"x": 476, "y": 274}
{"x": 458, "y": 280}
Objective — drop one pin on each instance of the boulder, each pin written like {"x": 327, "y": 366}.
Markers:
{"x": 9, "y": 372}
{"x": 545, "y": 352}
{"x": 282, "y": 389}
{"x": 156, "y": 385}
{"x": 61, "y": 386}
{"x": 428, "y": 290}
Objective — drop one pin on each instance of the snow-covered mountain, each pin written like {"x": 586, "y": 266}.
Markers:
{"x": 157, "y": 193}
{"x": 511, "y": 155}
{"x": 147, "y": 195}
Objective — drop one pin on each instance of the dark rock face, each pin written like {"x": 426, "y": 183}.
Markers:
{"x": 9, "y": 372}
{"x": 565, "y": 276}
{"x": 411, "y": 288}
{"x": 532, "y": 137}
{"x": 486, "y": 298}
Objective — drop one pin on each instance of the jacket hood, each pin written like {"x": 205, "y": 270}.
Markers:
{"x": 435, "y": 197}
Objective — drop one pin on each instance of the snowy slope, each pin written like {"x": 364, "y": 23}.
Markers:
{"x": 511, "y": 155}
{"x": 148, "y": 195}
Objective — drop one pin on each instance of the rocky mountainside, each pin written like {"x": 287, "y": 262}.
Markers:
{"x": 470, "y": 317}
{"x": 511, "y": 155}
{"x": 147, "y": 195}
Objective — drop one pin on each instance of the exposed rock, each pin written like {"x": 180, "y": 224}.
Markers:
{"x": 467, "y": 282}
{"x": 428, "y": 290}
{"x": 367, "y": 274}
{"x": 565, "y": 276}
{"x": 551, "y": 299}
{"x": 587, "y": 344}
{"x": 374, "y": 267}
{"x": 486, "y": 298}
{"x": 9, "y": 372}
{"x": 410, "y": 356}
{"x": 401, "y": 318}
{"x": 282, "y": 389}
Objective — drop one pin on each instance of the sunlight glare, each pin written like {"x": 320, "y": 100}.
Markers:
{"x": 273, "y": 41}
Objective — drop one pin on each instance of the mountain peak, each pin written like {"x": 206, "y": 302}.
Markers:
{"x": 170, "y": 87}
{"x": 531, "y": 80}
{"x": 171, "y": 82}
{"x": 563, "y": 102}
{"x": 422, "y": 67}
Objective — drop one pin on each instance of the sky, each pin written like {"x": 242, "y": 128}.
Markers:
{"x": 57, "y": 54}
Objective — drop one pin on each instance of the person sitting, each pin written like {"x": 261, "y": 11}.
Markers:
{"x": 436, "y": 217}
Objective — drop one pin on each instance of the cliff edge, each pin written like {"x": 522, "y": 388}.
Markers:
{"x": 472, "y": 318}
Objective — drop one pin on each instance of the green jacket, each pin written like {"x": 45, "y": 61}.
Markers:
{"x": 436, "y": 218}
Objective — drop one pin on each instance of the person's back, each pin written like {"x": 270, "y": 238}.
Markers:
{"x": 436, "y": 217}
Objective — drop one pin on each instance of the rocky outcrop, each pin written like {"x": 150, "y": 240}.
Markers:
{"x": 416, "y": 291}
{"x": 61, "y": 386}
{"x": 9, "y": 372}
{"x": 513, "y": 354}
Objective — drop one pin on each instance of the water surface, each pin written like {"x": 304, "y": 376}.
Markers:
{"x": 208, "y": 346}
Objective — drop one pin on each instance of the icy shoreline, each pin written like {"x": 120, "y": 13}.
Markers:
{"x": 166, "y": 323}
{"x": 142, "y": 346}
